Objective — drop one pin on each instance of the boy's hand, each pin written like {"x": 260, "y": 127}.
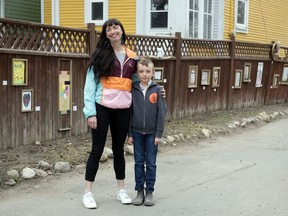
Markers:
{"x": 130, "y": 141}
{"x": 157, "y": 140}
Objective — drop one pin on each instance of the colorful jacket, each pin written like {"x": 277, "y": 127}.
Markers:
{"x": 113, "y": 91}
{"x": 147, "y": 112}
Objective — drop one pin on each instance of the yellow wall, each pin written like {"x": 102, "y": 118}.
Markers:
{"x": 228, "y": 18}
{"x": 72, "y": 13}
{"x": 125, "y": 12}
{"x": 267, "y": 21}
{"x": 48, "y": 12}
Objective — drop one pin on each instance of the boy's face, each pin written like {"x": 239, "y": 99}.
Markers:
{"x": 145, "y": 73}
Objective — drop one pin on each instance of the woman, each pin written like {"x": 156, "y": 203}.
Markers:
{"x": 107, "y": 98}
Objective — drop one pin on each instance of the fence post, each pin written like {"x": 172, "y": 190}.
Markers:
{"x": 177, "y": 75}
{"x": 231, "y": 73}
{"x": 269, "y": 78}
{"x": 92, "y": 38}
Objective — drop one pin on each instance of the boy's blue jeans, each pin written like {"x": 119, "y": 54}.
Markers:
{"x": 145, "y": 152}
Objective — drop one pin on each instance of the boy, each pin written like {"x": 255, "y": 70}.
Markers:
{"x": 146, "y": 128}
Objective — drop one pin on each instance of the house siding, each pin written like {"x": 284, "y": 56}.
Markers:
{"x": 228, "y": 18}
{"x": 48, "y": 12}
{"x": 72, "y": 13}
{"x": 267, "y": 21}
{"x": 125, "y": 12}
{"x": 23, "y": 10}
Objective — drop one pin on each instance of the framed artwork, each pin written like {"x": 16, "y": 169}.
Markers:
{"x": 19, "y": 72}
{"x": 158, "y": 74}
{"x": 275, "y": 81}
{"x": 216, "y": 77}
{"x": 27, "y": 100}
{"x": 238, "y": 78}
{"x": 259, "y": 74}
{"x": 284, "y": 79}
{"x": 247, "y": 72}
{"x": 205, "y": 77}
{"x": 192, "y": 76}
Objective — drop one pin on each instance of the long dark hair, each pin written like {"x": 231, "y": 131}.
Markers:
{"x": 102, "y": 60}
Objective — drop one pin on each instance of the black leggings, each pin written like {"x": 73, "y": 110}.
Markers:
{"x": 118, "y": 119}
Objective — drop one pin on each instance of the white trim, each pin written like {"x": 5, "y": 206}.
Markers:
{"x": 2, "y": 8}
{"x": 55, "y": 12}
{"x": 42, "y": 11}
{"x": 140, "y": 21}
{"x": 218, "y": 32}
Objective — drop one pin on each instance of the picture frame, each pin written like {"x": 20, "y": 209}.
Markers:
{"x": 27, "y": 100}
{"x": 216, "y": 77}
{"x": 238, "y": 78}
{"x": 192, "y": 76}
{"x": 284, "y": 78}
{"x": 19, "y": 72}
{"x": 275, "y": 82}
{"x": 259, "y": 74}
{"x": 158, "y": 74}
{"x": 247, "y": 72}
{"x": 205, "y": 77}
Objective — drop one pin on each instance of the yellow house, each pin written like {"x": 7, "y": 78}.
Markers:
{"x": 255, "y": 21}
{"x": 77, "y": 13}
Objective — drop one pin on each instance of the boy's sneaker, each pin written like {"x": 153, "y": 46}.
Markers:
{"x": 122, "y": 195}
{"x": 88, "y": 201}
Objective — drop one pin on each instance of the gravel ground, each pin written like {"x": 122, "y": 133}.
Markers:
{"x": 75, "y": 149}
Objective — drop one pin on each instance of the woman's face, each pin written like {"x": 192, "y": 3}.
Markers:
{"x": 114, "y": 33}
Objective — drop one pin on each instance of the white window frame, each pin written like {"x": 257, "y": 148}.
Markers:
{"x": 55, "y": 13}
{"x": 240, "y": 27}
{"x": 2, "y": 8}
{"x": 201, "y": 14}
{"x": 163, "y": 31}
{"x": 42, "y": 11}
{"x": 88, "y": 12}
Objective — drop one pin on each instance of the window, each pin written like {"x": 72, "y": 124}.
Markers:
{"x": 241, "y": 15}
{"x": 193, "y": 18}
{"x": 159, "y": 14}
{"x": 200, "y": 19}
{"x": 207, "y": 28}
{"x": 96, "y": 11}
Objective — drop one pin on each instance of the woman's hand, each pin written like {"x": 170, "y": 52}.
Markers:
{"x": 92, "y": 122}
{"x": 130, "y": 141}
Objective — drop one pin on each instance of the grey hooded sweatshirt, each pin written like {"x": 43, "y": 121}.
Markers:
{"x": 147, "y": 111}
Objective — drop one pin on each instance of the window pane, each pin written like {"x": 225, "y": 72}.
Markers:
{"x": 97, "y": 11}
{"x": 241, "y": 13}
{"x": 159, "y": 19}
{"x": 193, "y": 24}
{"x": 207, "y": 27}
{"x": 194, "y": 5}
{"x": 159, "y": 5}
{"x": 208, "y": 6}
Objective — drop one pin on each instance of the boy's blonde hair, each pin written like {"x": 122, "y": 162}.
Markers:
{"x": 146, "y": 61}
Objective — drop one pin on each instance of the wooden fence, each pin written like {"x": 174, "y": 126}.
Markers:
{"x": 198, "y": 75}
